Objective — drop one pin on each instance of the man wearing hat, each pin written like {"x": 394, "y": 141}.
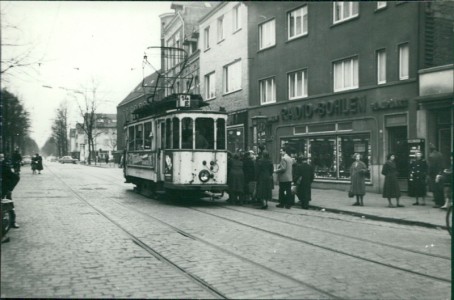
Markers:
{"x": 303, "y": 178}
{"x": 435, "y": 164}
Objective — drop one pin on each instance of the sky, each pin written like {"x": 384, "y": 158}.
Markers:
{"x": 74, "y": 44}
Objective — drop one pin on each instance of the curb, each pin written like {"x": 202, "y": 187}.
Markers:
{"x": 375, "y": 218}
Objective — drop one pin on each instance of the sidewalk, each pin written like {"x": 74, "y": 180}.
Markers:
{"x": 375, "y": 208}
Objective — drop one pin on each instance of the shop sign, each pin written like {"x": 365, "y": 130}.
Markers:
{"x": 338, "y": 107}
{"x": 389, "y": 104}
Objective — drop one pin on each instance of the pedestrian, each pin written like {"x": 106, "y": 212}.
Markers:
{"x": 9, "y": 181}
{"x": 304, "y": 176}
{"x": 107, "y": 159}
{"x": 236, "y": 180}
{"x": 17, "y": 160}
{"x": 284, "y": 173}
{"x": 264, "y": 178}
{"x": 435, "y": 166}
{"x": 418, "y": 179}
{"x": 391, "y": 187}
{"x": 446, "y": 179}
{"x": 249, "y": 176}
{"x": 358, "y": 172}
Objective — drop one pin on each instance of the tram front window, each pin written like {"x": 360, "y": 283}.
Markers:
{"x": 186, "y": 133}
{"x": 220, "y": 134}
{"x": 204, "y": 133}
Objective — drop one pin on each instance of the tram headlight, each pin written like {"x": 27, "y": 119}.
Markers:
{"x": 204, "y": 176}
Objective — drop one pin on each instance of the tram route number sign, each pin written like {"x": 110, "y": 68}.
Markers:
{"x": 184, "y": 101}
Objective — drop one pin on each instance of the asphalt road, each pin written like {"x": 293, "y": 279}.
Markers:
{"x": 85, "y": 234}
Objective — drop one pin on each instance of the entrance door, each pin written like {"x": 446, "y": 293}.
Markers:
{"x": 397, "y": 144}
{"x": 445, "y": 144}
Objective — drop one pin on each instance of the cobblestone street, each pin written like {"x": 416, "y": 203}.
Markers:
{"x": 85, "y": 234}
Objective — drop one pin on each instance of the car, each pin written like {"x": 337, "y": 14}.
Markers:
{"x": 67, "y": 160}
{"x": 26, "y": 160}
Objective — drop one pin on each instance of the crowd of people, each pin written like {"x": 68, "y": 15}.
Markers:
{"x": 250, "y": 179}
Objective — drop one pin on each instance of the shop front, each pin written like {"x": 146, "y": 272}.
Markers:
{"x": 330, "y": 130}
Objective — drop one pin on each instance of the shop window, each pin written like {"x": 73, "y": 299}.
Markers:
{"x": 147, "y": 135}
{"x": 204, "y": 133}
{"x": 323, "y": 157}
{"x": 220, "y": 134}
{"x": 349, "y": 145}
{"x": 345, "y": 126}
{"x": 139, "y": 137}
{"x": 186, "y": 133}
{"x": 176, "y": 133}
{"x": 296, "y": 146}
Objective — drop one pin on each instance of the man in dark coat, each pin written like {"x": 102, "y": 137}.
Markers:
{"x": 304, "y": 176}
{"x": 435, "y": 166}
{"x": 249, "y": 177}
{"x": 17, "y": 161}
{"x": 9, "y": 181}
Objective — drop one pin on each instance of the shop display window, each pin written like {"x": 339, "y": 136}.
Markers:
{"x": 349, "y": 145}
{"x": 323, "y": 156}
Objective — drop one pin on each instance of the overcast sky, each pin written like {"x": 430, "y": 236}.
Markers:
{"x": 75, "y": 42}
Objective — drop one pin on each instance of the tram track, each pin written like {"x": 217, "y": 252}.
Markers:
{"x": 389, "y": 265}
{"x": 337, "y": 251}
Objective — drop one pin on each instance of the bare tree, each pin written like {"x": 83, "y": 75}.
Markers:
{"x": 60, "y": 129}
{"x": 17, "y": 57}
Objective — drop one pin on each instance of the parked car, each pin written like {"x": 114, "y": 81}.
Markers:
{"x": 67, "y": 160}
{"x": 52, "y": 159}
{"x": 26, "y": 160}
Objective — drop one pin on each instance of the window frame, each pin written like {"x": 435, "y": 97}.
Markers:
{"x": 210, "y": 85}
{"x": 379, "y": 64}
{"x": 304, "y": 29}
{"x": 344, "y": 19}
{"x": 236, "y": 21}
{"x": 220, "y": 27}
{"x": 304, "y": 82}
{"x": 273, "y": 35}
{"x": 273, "y": 90}
{"x": 206, "y": 38}
{"x": 401, "y": 67}
{"x": 343, "y": 61}
{"x": 226, "y": 81}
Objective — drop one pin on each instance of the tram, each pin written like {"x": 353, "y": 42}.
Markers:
{"x": 175, "y": 147}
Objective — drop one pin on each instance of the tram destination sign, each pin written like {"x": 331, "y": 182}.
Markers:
{"x": 337, "y": 107}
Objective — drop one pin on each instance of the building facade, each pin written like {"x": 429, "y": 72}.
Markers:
{"x": 331, "y": 79}
{"x": 224, "y": 67}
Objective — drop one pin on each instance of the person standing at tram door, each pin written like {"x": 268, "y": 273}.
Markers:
{"x": 417, "y": 180}
{"x": 236, "y": 180}
{"x": 264, "y": 178}
{"x": 284, "y": 173}
{"x": 391, "y": 187}
{"x": 358, "y": 171}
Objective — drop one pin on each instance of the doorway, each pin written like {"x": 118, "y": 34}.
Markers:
{"x": 397, "y": 144}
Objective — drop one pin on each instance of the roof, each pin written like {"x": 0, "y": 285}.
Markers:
{"x": 138, "y": 91}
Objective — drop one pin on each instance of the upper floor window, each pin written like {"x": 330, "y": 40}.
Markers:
{"x": 267, "y": 91}
{"x": 297, "y": 84}
{"x": 220, "y": 28}
{"x": 206, "y": 38}
{"x": 346, "y": 74}
{"x": 297, "y": 22}
{"x": 404, "y": 59}
{"x": 210, "y": 86}
{"x": 381, "y": 66}
{"x": 381, "y": 4}
{"x": 267, "y": 34}
{"x": 232, "y": 77}
{"x": 236, "y": 18}
{"x": 344, "y": 10}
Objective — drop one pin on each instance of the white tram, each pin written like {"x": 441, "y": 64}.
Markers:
{"x": 175, "y": 147}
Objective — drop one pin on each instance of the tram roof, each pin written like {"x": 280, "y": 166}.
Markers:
{"x": 168, "y": 103}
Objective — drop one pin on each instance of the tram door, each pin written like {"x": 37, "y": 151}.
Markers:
{"x": 397, "y": 144}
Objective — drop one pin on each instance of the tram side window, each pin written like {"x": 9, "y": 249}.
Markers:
{"x": 220, "y": 134}
{"x": 163, "y": 134}
{"x": 186, "y": 133}
{"x": 204, "y": 133}
{"x": 147, "y": 135}
{"x": 168, "y": 134}
{"x": 176, "y": 133}
{"x": 131, "y": 138}
{"x": 139, "y": 137}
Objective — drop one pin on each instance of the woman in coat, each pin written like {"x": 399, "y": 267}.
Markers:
{"x": 391, "y": 187}
{"x": 358, "y": 171}
{"x": 418, "y": 177}
{"x": 264, "y": 177}
{"x": 236, "y": 180}
{"x": 303, "y": 178}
